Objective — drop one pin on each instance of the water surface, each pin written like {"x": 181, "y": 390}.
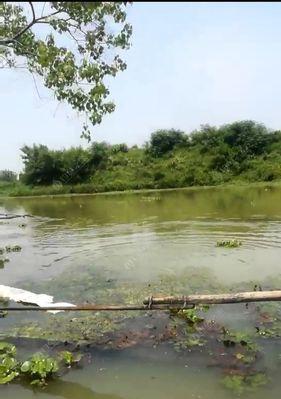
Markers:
{"x": 99, "y": 248}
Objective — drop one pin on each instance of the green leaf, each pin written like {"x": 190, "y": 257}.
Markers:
{"x": 8, "y": 378}
{"x": 25, "y": 367}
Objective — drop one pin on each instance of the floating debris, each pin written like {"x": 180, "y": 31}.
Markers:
{"x": 229, "y": 243}
{"x": 30, "y": 298}
{"x": 13, "y": 248}
{"x": 3, "y": 261}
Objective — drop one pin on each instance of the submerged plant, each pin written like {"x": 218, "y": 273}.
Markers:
{"x": 230, "y": 339}
{"x": 229, "y": 243}
{"x": 190, "y": 342}
{"x": 240, "y": 384}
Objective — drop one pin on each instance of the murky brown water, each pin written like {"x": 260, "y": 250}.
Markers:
{"x": 91, "y": 247}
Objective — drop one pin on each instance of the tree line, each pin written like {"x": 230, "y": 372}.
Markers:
{"x": 244, "y": 150}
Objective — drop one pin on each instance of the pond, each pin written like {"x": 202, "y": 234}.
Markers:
{"x": 121, "y": 248}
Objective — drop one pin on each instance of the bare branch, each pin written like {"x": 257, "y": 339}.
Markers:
{"x": 32, "y": 9}
{"x": 36, "y": 87}
{"x": 43, "y": 8}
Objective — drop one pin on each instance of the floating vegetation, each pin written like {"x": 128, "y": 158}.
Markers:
{"x": 240, "y": 384}
{"x": 69, "y": 358}
{"x": 38, "y": 369}
{"x": 231, "y": 339}
{"x": 269, "y": 320}
{"x": 188, "y": 343}
{"x": 3, "y": 262}
{"x": 3, "y": 313}
{"x": 229, "y": 243}
{"x": 191, "y": 316}
{"x": 7, "y": 249}
{"x": 22, "y": 225}
{"x": 13, "y": 248}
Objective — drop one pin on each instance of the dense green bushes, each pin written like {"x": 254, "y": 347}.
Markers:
{"x": 163, "y": 141}
{"x": 7, "y": 176}
{"x": 242, "y": 151}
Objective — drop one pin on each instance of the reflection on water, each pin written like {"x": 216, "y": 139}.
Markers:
{"x": 139, "y": 238}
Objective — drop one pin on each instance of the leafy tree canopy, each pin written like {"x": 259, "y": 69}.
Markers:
{"x": 163, "y": 141}
{"x": 77, "y": 47}
{"x": 8, "y": 175}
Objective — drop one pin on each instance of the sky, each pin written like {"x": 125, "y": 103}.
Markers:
{"x": 189, "y": 64}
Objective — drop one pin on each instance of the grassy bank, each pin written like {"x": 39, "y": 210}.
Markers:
{"x": 240, "y": 153}
{"x": 20, "y": 190}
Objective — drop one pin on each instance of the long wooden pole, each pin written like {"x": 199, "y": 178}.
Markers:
{"x": 91, "y": 308}
{"x": 164, "y": 303}
{"x": 240, "y": 297}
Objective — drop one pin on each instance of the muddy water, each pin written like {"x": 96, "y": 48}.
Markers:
{"x": 119, "y": 248}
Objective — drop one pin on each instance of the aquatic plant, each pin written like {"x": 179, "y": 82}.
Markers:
{"x": 229, "y": 243}
{"x": 191, "y": 316}
{"x": 232, "y": 338}
{"x": 189, "y": 342}
{"x": 8, "y": 363}
{"x": 240, "y": 384}
{"x": 3, "y": 261}
{"x": 69, "y": 359}
{"x": 13, "y": 248}
{"x": 39, "y": 368}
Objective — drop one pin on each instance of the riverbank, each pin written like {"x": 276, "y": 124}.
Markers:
{"x": 14, "y": 190}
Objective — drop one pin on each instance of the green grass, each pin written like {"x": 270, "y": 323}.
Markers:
{"x": 135, "y": 170}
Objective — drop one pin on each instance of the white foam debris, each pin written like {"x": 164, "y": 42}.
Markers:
{"x": 22, "y": 296}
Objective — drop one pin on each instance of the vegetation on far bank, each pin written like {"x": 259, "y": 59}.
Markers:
{"x": 243, "y": 151}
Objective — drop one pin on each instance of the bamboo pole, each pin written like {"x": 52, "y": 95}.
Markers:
{"x": 163, "y": 303}
{"x": 240, "y": 297}
{"x": 90, "y": 308}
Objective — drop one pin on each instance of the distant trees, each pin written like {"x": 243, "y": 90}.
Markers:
{"x": 248, "y": 137}
{"x": 7, "y": 176}
{"x": 163, "y": 141}
{"x": 209, "y": 155}
{"x": 119, "y": 148}
{"x": 232, "y": 144}
{"x": 43, "y": 166}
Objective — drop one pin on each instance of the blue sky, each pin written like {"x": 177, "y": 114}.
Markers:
{"x": 190, "y": 64}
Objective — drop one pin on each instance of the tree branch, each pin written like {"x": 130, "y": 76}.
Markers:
{"x": 28, "y": 26}
{"x": 32, "y": 9}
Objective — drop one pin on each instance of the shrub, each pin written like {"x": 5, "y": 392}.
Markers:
{"x": 163, "y": 141}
